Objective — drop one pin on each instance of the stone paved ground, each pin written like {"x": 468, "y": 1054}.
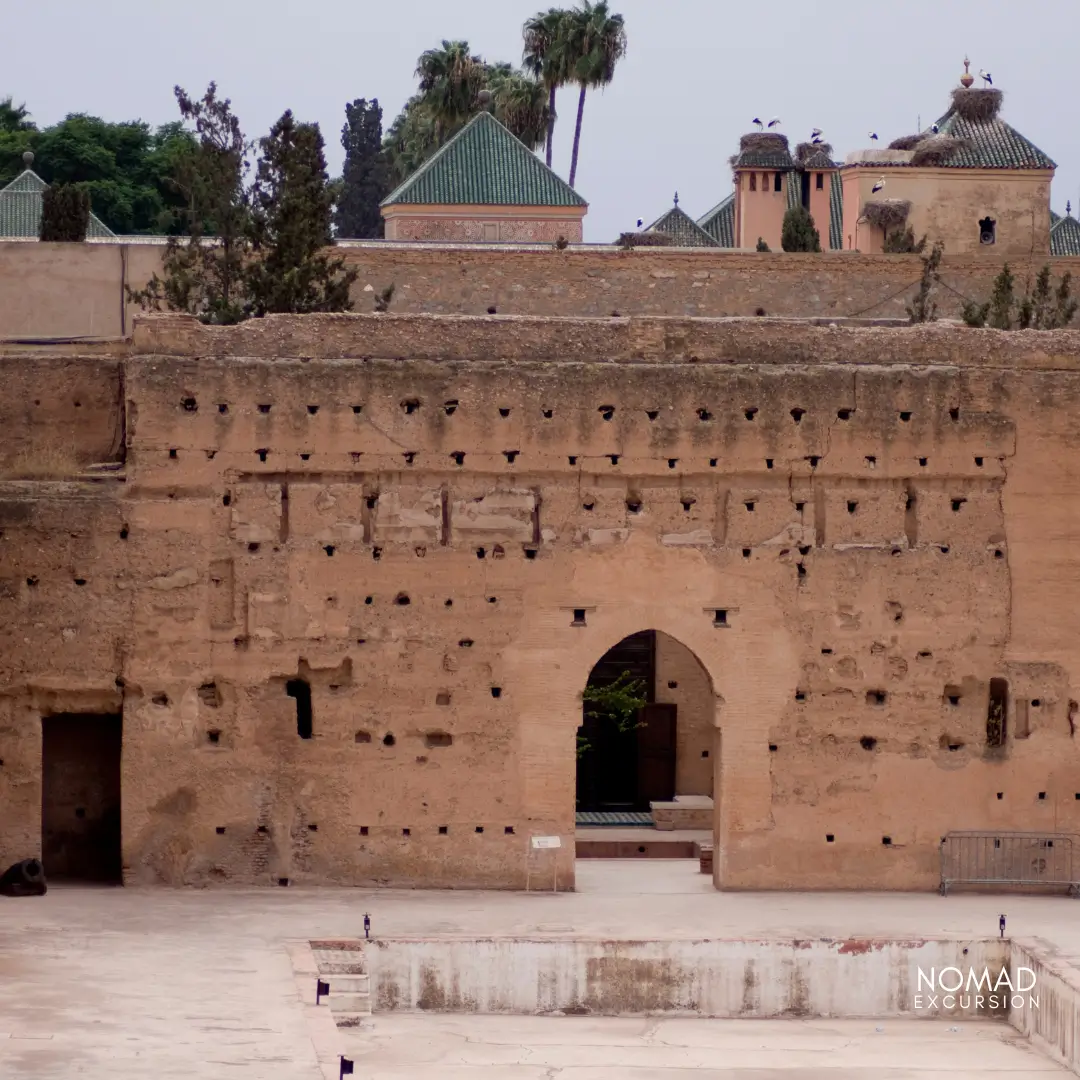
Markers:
{"x": 119, "y": 984}
{"x": 587, "y": 1048}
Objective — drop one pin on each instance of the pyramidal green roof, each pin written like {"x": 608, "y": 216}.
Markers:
{"x": 20, "y": 209}
{"x": 1065, "y": 236}
{"x": 719, "y": 222}
{"x": 484, "y": 164}
{"x": 682, "y": 229}
{"x": 993, "y": 144}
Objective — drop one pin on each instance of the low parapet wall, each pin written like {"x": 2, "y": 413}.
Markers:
{"x": 1054, "y": 1027}
{"x": 721, "y": 979}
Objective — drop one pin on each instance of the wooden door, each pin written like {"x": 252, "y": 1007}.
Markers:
{"x": 656, "y": 754}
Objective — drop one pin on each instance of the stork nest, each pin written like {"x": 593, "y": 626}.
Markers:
{"x": 977, "y": 106}
{"x": 906, "y": 142}
{"x": 937, "y": 149}
{"x": 645, "y": 239}
{"x": 770, "y": 142}
{"x": 887, "y": 213}
{"x": 806, "y": 150}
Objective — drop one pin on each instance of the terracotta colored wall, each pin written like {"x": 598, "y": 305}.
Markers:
{"x": 911, "y": 534}
{"x": 947, "y": 204}
{"x": 820, "y": 209}
{"x": 682, "y": 681}
{"x": 760, "y": 213}
{"x": 576, "y": 282}
{"x": 470, "y": 227}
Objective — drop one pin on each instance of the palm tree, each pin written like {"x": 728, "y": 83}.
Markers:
{"x": 546, "y": 58}
{"x": 520, "y": 104}
{"x": 450, "y": 78}
{"x": 596, "y": 42}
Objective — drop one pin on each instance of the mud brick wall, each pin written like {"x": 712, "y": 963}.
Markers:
{"x": 337, "y": 592}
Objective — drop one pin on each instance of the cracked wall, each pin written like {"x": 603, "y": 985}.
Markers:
{"x": 395, "y": 549}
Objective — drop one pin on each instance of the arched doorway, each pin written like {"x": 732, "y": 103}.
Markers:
{"x": 647, "y": 729}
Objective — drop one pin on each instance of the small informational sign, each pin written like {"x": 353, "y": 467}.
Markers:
{"x": 546, "y": 841}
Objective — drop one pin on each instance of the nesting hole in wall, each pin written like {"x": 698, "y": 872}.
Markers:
{"x": 852, "y": 506}
{"x": 800, "y": 507}
{"x": 481, "y": 553}
{"x": 800, "y": 695}
{"x": 886, "y": 841}
{"x": 402, "y": 599}
{"x": 924, "y": 654}
{"x": 1042, "y": 796}
{"x": 388, "y": 739}
{"x": 442, "y": 697}
{"x": 720, "y": 617}
{"x": 262, "y": 829}
{"x": 954, "y": 414}
{"x": 572, "y": 459}
{"x": 868, "y": 742}
{"x": 220, "y": 830}
{"x": 871, "y": 460}
{"x": 944, "y": 549}
{"x": 511, "y": 455}
{"x": 797, "y": 414}
{"x": 829, "y": 838}
{"x": 751, "y": 413}
{"x": 364, "y": 830}
{"x": 80, "y": 581}
{"x": 329, "y": 549}
{"x": 362, "y": 737}
{"x": 444, "y": 830}
{"x": 312, "y": 410}
{"x": 688, "y": 502}
{"x": 530, "y": 553}
{"x": 713, "y": 462}
{"x": 672, "y": 462}
{"x": 746, "y": 553}
{"x": 465, "y": 643}
{"x": 749, "y": 504}
{"x": 496, "y": 691}
{"x": 376, "y": 553}
{"x": 905, "y": 416}
{"x": 493, "y": 310}
{"x": 357, "y": 410}
{"x": 952, "y": 695}
{"x": 923, "y": 462}
{"x": 814, "y": 459}
{"x": 773, "y": 748}
{"x": 189, "y": 404}
{"x": 283, "y": 882}
{"x": 409, "y": 456}
{"x": 32, "y": 581}
{"x": 768, "y": 463}
{"x": 450, "y": 407}
{"x": 264, "y": 409}
{"x": 1036, "y": 702}
{"x": 801, "y": 569}
{"x": 590, "y": 505}
{"x": 652, "y": 414}
{"x": 508, "y": 830}
{"x": 262, "y": 454}
{"x": 210, "y": 695}
{"x": 160, "y": 700}
{"x": 213, "y": 736}
{"x": 826, "y": 652}
{"x": 950, "y": 743}
{"x": 1001, "y": 795}
{"x": 372, "y": 501}
{"x": 633, "y": 504}
{"x": 222, "y": 408}
{"x": 876, "y": 697}
{"x": 479, "y": 828}
{"x": 406, "y": 832}
{"x": 226, "y": 499}
{"x": 614, "y": 459}
{"x": 548, "y": 413}
{"x": 579, "y": 617}
{"x": 410, "y": 406}
{"x": 978, "y": 462}
{"x": 957, "y": 505}
{"x": 435, "y": 739}
{"x": 606, "y": 411}
{"x": 504, "y": 411}
{"x": 124, "y": 533}
{"x": 305, "y": 457}
{"x": 704, "y": 753}
{"x": 843, "y": 414}
{"x": 704, "y": 415}
{"x": 173, "y": 455}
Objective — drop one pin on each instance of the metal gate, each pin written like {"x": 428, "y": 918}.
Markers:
{"x": 1009, "y": 858}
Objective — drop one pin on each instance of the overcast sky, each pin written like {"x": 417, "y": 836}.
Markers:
{"x": 696, "y": 73}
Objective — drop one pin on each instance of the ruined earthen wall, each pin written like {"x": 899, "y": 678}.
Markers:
{"x": 72, "y": 290}
{"x": 852, "y": 530}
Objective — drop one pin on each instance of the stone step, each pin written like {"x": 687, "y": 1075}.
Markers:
{"x": 349, "y": 1003}
{"x": 350, "y": 983}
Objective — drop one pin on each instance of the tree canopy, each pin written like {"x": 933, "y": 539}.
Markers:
{"x": 365, "y": 179}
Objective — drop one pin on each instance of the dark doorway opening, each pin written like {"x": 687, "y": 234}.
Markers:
{"x": 80, "y": 797}
{"x": 625, "y": 765}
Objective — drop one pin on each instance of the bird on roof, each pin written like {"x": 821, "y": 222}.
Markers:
{"x": 816, "y": 140}
{"x": 758, "y": 124}
{"x": 873, "y": 135}
{"x": 985, "y": 76}
{"x": 774, "y": 122}
{"x": 815, "y": 133}
{"x": 934, "y": 129}
{"x": 640, "y": 223}
{"x": 878, "y": 186}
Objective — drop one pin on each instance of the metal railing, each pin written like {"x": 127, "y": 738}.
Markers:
{"x": 1008, "y": 858}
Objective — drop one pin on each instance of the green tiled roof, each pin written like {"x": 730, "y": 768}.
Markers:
{"x": 682, "y": 228}
{"x": 20, "y": 209}
{"x": 764, "y": 159}
{"x": 484, "y": 165}
{"x": 1065, "y": 236}
{"x": 995, "y": 145}
{"x": 719, "y": 222}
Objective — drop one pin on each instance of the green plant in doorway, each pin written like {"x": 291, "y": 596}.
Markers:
{"x": 620, "y": 702}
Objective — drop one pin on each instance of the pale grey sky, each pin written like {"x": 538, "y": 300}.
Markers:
{"x": 696, "y": 73}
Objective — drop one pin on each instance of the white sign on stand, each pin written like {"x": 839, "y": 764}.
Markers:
{"x": 541, "y": 844}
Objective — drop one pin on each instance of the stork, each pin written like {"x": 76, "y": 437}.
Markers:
{"x": 758, "y": 124}
{"x": 878, "y": 186}
{"x": 934, "y": 129}
{"x": 815, "y": 133}
{"x": 985, "y": 76}
{"x": 873, "y": 136}
{"x": 774, "y": 122}
{"x": 816, "y": 140}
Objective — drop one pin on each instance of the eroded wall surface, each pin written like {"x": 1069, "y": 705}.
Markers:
{"x": 401, "y": 520}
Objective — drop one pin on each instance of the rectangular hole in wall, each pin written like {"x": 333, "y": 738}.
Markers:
{"x": 305, "y": 720}
{"x": 80, "y": 797}
{"x": 997, "y": 712}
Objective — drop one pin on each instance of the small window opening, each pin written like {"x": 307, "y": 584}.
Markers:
{"x": 262, "y": 454}
{"x": 819, "y": 181}
{"x": 579, "y": 617}
{"x": 301, "y": 691}
{"x": 357, "y": 410}
{"x": 773, "y": 748}
{"x": 173, "y": 455}
{"x": 479, "y": 828}
{"x": 777, "y": 181}
{"x": 572, "y": 459}
{"x": 720, "y": 617}
{"x": 957, "y": 504}
{"x": 364, "y": 830}
{"x": 753, "y": 181}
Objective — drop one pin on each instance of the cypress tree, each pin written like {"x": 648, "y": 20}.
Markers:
{"x": 798, "y": 233}
{"x": 292, "y": 205}
{"x": 65, "y": 213}
{"x": 365, "y": 180}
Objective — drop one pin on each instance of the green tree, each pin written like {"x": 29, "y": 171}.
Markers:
{"x": 595, "y": 43}
{"x": 903, "y": 242}
{"x": 922, "y": 307}
{"x": 365, "y": 177}
{"x": 1040, "y": 308}
{"x": 519, "y": 103}
{"x": 450, "y": 80}
{"x": 17, "y": 133}
{"x": 291, "y": 216}
{"x": 206, "y": 268}
{"x": 546, "y": 58}
{"x": 65, "y": 213}
{"x": 798, "y": 232}
{"x": 618, "y": 702}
